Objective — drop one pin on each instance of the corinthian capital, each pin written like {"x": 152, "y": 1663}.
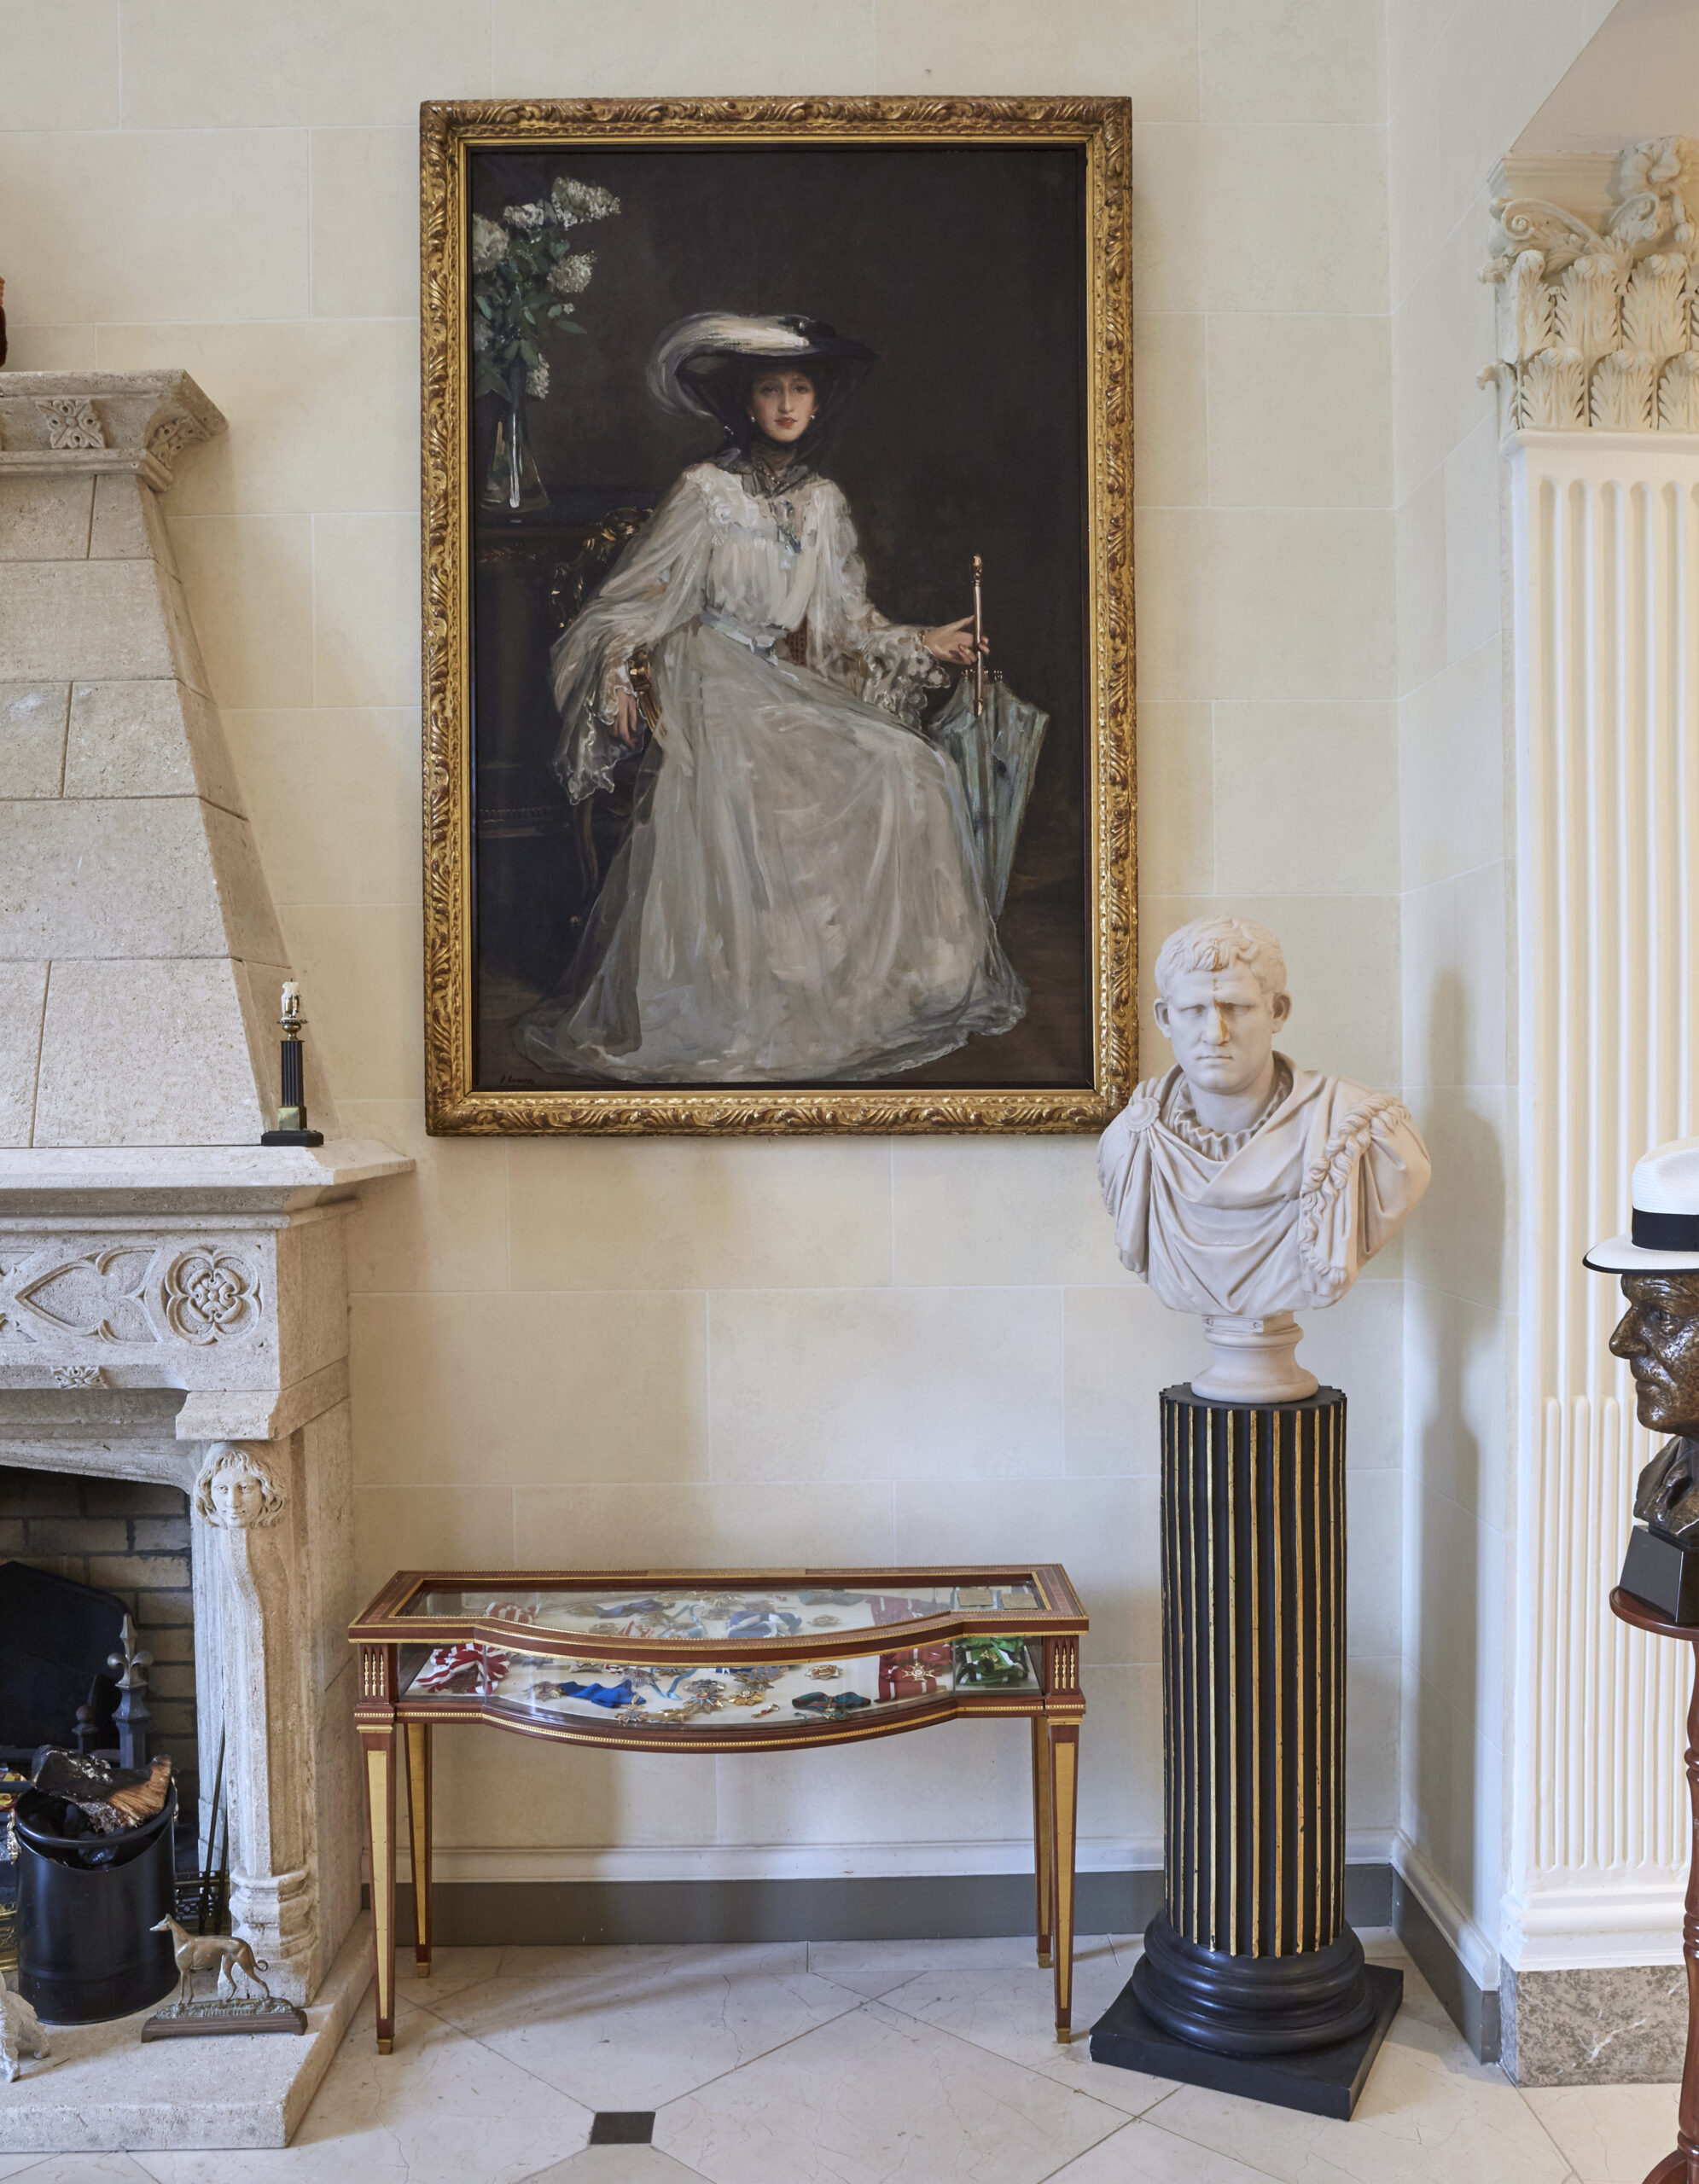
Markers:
{"x": 1599, "y": 312}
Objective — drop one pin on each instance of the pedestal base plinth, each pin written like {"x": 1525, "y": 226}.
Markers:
{"x": 1318, "y": 2082}
{"x": 1253, "y": 2005}
{"x": 1663, "y": 1573}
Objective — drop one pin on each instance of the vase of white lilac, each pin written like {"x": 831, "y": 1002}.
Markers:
{"x": 526, "y": 279}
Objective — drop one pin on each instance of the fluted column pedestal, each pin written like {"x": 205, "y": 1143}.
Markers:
{"x": 1251, "y": 1980}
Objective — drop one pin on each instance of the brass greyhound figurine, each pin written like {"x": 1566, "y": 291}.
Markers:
{"x": 226, "y": 1953}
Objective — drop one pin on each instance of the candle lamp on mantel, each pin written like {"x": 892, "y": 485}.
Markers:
{"x": 292, "y": 1125}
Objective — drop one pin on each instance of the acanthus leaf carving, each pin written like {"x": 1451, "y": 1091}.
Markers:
{"x": 1656, "y": 317}
{"x": 1624, "y": 389}
{"x": 1678, "y": 394}
{"x": 1595, "y": 323}
{"x": 1555, "y": 391}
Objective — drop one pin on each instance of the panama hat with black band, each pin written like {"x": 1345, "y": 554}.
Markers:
{"x": 1663, "y": 1236}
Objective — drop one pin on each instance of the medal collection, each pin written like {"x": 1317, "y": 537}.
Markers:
{"x": 668, "y": 1695}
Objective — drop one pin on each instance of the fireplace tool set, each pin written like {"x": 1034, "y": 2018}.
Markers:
{"x": 103, "y": 1924}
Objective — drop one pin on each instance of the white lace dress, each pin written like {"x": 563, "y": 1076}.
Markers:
{"x": 799, "y": 898}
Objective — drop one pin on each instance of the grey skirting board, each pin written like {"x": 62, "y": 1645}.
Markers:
{"x": 1472, "y": 2009}
{"x": 918, "y": 1908}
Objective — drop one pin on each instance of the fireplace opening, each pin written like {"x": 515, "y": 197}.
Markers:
{"x": 129, "y": 1539}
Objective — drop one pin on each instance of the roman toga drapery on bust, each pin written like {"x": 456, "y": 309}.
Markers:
{"x": 1242, "y": 1187}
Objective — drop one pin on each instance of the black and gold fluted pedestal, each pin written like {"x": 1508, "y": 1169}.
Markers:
{"x": 1251, "y": 1981}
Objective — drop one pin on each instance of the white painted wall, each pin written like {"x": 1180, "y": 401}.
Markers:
{"x": 1638, "y": 76}
{"x": 811, "y": 1350}
{"x": 1463, "y": 86}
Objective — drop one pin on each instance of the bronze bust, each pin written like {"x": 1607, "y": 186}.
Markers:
{"x": 1658, "y": 1336}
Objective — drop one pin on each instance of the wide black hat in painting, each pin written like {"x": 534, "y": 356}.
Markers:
{"x": 699, "y": 365}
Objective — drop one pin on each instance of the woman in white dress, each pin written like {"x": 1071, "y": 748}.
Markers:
{"x": 799, "y": 898}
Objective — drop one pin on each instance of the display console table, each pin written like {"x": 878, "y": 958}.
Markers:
{"x": 716, "y": 1660}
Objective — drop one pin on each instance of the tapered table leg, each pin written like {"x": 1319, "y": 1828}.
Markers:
{"x": 419, "y": 1840}
{"x": 379, "y": 1748}
{"x": 1044, "y": 1847}
{"x": 1064, "y": 1769}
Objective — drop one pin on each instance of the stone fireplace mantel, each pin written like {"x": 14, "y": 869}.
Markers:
{"x": 174, "y": 1294}
{"x": 181, "y": 1316}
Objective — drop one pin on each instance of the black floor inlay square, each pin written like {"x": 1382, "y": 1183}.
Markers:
{"x": 623, "y": 2127}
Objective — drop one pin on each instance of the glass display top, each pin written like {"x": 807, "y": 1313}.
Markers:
{"x": 743, "y": 1613}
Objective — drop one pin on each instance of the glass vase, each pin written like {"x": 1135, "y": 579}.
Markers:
{"x": 514, "y": 487}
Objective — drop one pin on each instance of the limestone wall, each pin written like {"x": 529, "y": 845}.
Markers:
{"x": 797, "y": 1350}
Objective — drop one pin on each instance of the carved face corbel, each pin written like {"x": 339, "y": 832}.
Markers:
{"x": 236, "y": 1491}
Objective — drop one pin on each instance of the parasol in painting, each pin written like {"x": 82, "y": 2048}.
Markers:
{"x": 995, "y": 746}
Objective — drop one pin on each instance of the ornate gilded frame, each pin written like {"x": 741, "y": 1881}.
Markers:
{"x": 449, "y": 131}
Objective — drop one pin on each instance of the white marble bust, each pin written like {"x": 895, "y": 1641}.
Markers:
{"x": 1244, "y": 1187}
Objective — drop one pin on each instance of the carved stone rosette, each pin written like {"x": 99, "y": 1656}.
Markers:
{"x": 1598, "y": 324}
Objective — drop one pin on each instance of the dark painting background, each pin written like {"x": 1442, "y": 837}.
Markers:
{"x": 964, "y": 270}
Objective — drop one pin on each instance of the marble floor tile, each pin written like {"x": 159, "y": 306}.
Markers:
{"x": 74, "y": 2168}
{"x": 632, "y": 2028}
{"x": 1430, "y": 2114}
{"x": 1010, "y": 2008}
{"x": 560, "y": 1962}
{"x": 878, "y": 2098}
{"x": 1609, "y": 2134}
{"x": 873, "y": 1968}
{"x": 451, "y": 1969}
{"x": 620, "y": 2165}
{"x": 443, "y": 2109}
{"x": 1143, "y": 2153}
{"x": 868, "y": 2063}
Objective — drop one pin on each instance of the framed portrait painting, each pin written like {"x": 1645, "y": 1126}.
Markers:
{"x": 777, "y": 615}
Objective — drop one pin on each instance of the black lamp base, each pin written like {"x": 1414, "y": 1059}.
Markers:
{"x": 292, "y": 1137}
{"x": 1318, "y": 2080}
